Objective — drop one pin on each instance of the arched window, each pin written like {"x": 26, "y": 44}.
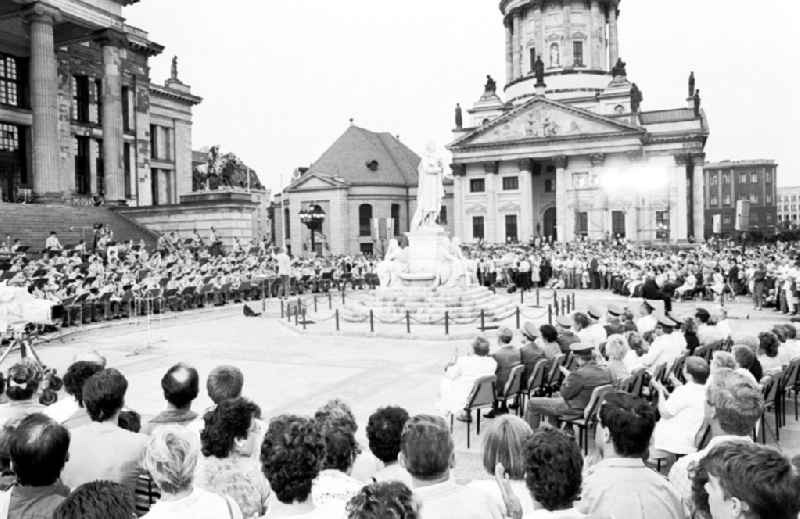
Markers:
{"x": 364, "y": 220}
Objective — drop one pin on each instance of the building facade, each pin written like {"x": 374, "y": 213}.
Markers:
{"x": 568, "y": 151}
{"x": 789, "y": 205}
{"x": 743, "y": 190}
{"x": 365, "y": 184}
{"x": 80, "y": 119}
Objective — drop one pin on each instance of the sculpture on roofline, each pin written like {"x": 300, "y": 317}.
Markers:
{"x": 490, "y": 87}
{"x": 691, "y": 84}
{"x": 636, "y": 98}
{"x": 619, "y": 69}
{"x": 174, "y": 72}
{"x": 538, "y": 70}
{"x": 459, "y": 116}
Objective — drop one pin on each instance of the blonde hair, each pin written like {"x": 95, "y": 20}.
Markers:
{"x": 616, "y": 347}
{"x": 504, "y": 443}
{"x": 171, "y": 458}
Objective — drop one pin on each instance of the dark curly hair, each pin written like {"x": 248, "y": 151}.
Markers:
{"x": 553, "y": 466}
{"x": 387, "y": 499}
{"x": 291, "y": 456}
{"x": 77, "y": 375}
{"x": 98, "y": 500}
{"x": 336, "y": 411}
{"x": 384, "y": 429}
{"x": 229, "y": 421}
{"x": 341, "y": 447}
{"x": 768, "y": 344}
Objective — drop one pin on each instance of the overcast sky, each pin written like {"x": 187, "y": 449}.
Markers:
{"x": 281, "y": 79}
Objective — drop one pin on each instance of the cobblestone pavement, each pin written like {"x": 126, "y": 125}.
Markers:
{"x": 290, "y": 372}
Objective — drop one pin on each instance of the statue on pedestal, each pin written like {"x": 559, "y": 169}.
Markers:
{"x": 174, "y": 71}
{"x": 538, "y": 70}
{"x": 619, "y": 69}
{"x": 691, "y": 84}
{"x": 459, "y": 117}
{"x": 430, "y": 190}
{"x": 491, "y": 87}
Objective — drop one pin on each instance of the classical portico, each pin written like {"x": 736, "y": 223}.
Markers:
{"x": 570, "y": 152}
{"x": 81, "y": 118}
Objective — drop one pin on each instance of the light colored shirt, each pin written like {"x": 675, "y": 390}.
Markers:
{"x": 492, "y": 491}
{"x": 681, "y": 417}
{"x": 626, "y": 488}
{"x": 680, "y": 476}
{"x": 664, "y": 350}
{"x": 284, "y": 264}
{"x": 393, "y": 472}
{"x": 200, "y": 504}
{"x": 646, "y": 323}
{"x": 449, "y": 500}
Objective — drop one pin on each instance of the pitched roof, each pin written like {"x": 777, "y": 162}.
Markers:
{"x": 354, "y": 155}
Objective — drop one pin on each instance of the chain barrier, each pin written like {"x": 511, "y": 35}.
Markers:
{"x": 533, "y": 317}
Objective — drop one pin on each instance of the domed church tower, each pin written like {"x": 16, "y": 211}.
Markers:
{"x": 576, "y": 40}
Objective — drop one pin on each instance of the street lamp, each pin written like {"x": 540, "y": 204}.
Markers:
{"x": 312, "y": 217}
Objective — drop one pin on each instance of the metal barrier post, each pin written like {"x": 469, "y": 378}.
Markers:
{"x": 371, "y": 321}
{"x": 408, "y": 322}
{"x": 337, "y": 319}
{"x": 304, "y": 318}
{"x": 555, "y": 305}
{"x": 330, "y": 300}
{"x": 573, "y": 301}
{"x": 550, "y": 314}
{"x": 522, "y": 297}
{"x": 537, "y": 297}
{"x": 517, "y": 318}
{"x": 343, "y": 286}
{"x": 446, "y": 322}
{"x": 483, "y": 320}
{"x": 315, "y": 304}
{"x": 296, "y": 315}
{"x": 282, "y": 309}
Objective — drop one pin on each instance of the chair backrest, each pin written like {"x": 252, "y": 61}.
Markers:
{"x": 482, "y": 393}
{"x": 598, "y": 395}
{"x": 770, "y": 389}
{"x": 792, "y": 378}
{"x": 554, "y": 371}
{"x": 677, "y": 368}
{"x": 538, "y": 376}
{"x": 637, "y": 382}
{"x": 514, "y": 381}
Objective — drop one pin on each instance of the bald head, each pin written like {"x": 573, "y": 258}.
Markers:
{"x": 181, "y": 385}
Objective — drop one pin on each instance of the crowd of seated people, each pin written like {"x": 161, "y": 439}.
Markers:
{"x": 109, "y": 279}
{"x": 770, "y": 273}
{"x": 72, "y": 449}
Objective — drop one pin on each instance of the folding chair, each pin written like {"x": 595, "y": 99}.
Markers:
{"x": 537, "y": 380}
{"x": 771, "y": 390}
{"x": 481, "y": 397}
{"x": 585, "y": 423}
{"x": 792, "y": 383}
{"x": 513, "y": 387}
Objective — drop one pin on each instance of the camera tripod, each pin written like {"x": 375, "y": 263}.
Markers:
{"x": 22, "y": 341}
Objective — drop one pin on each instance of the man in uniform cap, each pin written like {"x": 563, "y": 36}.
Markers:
{"x": 566, "y": 336}
{"x": 507, "y": 356}
{"x": 593, "y": 332}
{"x": 666, "y": 347}
{"x": 614, "y": 322}
{"x": 576, "y": 390}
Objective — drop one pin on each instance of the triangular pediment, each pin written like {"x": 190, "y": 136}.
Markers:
{"x": 545, "y": 119}
{"x": 314, "y": 181}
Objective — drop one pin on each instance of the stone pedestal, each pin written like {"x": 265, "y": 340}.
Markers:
{"x": 425, "y": 247}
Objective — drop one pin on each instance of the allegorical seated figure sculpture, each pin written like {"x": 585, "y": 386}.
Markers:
{"x": 394, "y": 263}
{"x": 453, "y": 267}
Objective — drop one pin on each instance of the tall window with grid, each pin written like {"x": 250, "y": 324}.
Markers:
{"x": 11, "y": 80}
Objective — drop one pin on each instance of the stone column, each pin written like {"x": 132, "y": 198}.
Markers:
{"x": 525, "y": 200}
{"x": 538, "y": 21}
{"x": 47, "y": 182}
{"x": 696, "y": 164}
{"x": 516, "y": 45}
{"x": 490, "y": 224}
{"x": 613, "y": 42}
{"x": 594, "y": 41}
{"x": 458, "y": 217}
{"x": 563, "y": 230}
{"x": 112, "y": 41}
{"x": 509, "y": 51}
{"x": 566, "y": 47}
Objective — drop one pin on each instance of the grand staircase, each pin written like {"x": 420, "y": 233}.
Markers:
{"x": 32, "y": 223}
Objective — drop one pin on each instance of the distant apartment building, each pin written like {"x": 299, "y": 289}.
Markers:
{"x": 751, "y": 181}
{"x": 789, "y": 205}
